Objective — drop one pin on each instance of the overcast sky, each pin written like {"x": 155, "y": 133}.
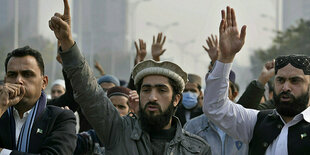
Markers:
{"x": 196, "y": 20}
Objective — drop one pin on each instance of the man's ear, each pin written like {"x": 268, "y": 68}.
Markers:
{"x": 235, "y": 94}
{"x": 44, "y": 82}
{"x": 177, "y": 99}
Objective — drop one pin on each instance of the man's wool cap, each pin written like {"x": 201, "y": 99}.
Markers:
{"x": 165, "y": 68}
{"x": 193, "y": 78}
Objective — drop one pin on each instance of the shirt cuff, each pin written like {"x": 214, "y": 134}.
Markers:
{"x": 5, "y": 152}
{"x": 221, "y": 69}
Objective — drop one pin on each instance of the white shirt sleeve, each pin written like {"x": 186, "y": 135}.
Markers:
{"x": 5, "y": 152}
{"x": 233, "y": 119}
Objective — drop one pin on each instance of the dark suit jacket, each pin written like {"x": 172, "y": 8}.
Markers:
{"x": 58, "y": 135}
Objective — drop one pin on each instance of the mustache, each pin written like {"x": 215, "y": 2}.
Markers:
{"x": 152, "y": 104}
{"x": 287, "y": 93}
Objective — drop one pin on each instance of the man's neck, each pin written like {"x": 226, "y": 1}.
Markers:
{"x": 21, "y": 110}
{"x": 287, "y": 119}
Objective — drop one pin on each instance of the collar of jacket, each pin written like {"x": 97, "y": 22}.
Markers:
{"x": 137, "y": 131}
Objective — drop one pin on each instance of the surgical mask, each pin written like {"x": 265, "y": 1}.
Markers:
{"x": 189, "y": 100}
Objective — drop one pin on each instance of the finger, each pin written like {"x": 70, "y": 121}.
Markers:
{"x": 216, "y": 40}
{"x": 206, "y": 49}
{"x": 209, "y": 42}
{"x": 163, "y": 51}
{"x": 223, "y": 14}
{"x": 233, "y": 18}
{"x": 157, "y": 39}
{"x": 141, "y": 44}
{"x": 213, "y": 40}
{"x": 243, "y": 33}
{"x": 58, "y": 15}
{"x": 51, "y": 25}
{"x": 137, "y": 49}
{"x": 162, "y": 44}
{"x": 67, "y": 8}
{"x": 153, "y": 39}
{"x": 222, "y": 27}
{"x": 228, "y": 12}
{"x": 144, "y": 45}
{"x": 58, "y": 22}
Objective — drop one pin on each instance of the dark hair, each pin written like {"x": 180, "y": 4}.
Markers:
{"x": 25, "y": 51}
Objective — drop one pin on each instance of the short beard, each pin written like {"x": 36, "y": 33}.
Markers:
{"x": 294, "y": 106}
{"x": 158, "y": 122}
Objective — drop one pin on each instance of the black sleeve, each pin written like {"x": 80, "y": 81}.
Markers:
{"x": 131, "y": 84}
{"x": 252, "y": 95}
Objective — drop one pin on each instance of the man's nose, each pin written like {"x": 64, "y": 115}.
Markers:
{"x": 153, "y": 96}
{"x": 19, "y": 80}
{"x": 286, "y": 86}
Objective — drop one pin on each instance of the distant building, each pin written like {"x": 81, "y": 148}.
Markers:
{"x": 100, "y": 28}
{"x": 28, "y": 11}
{"x": 294, "y": 10}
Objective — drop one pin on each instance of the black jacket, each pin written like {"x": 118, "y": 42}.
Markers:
{"x": 58, "y": 137}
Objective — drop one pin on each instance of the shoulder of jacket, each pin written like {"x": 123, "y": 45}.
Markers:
{"x": 194, "y": 143}
{"x": 55, "y": 111}
{"x": 194, "y": 139}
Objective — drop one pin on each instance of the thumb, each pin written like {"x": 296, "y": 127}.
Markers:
{"x": 243, "y": 33}
{"x": 58, "y": 21}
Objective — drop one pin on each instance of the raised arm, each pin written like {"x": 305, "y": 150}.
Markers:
{"x": 235, "y": 120}
{"x": 98, "y": 109}
{"x": 255, "y": 90}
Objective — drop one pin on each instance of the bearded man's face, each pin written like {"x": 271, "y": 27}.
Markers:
{"x": 291, "y": 93}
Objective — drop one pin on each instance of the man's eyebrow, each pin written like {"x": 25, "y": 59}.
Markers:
{"x": 156, "y": 85}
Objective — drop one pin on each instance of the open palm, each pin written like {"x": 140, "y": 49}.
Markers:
{"x": 231, "y": 41}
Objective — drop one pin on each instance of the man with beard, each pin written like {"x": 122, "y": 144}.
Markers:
{"x": 284, "y": 130}
{"x": 159, "y": 85}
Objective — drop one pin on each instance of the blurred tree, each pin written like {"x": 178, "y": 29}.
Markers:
{"x": 294, "y": 40}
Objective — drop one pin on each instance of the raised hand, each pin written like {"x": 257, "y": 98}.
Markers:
{"x": 267, "y": 72}
{"x": 141, "y": 52}
{"x": 213, "y": 49}
{"x": 10, "y": 94}
{"x": 61, "y": 25}
{"x": 157, "y": 46}
{"x": 230, "y": 40}
{"x": 134, "y": 101}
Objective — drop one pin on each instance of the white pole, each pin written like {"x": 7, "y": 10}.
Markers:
{"x": 16, "y": 22}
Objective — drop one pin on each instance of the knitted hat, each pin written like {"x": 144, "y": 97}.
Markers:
{"x": 193, "y": 78}
{"x": 118, "y": 91}
{"x": 165, "y": 68}
{"x": 109, "y": 79}
{"x": 59, "y": 82}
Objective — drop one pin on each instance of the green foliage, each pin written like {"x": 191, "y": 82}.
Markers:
{"x": 294, "y": 40}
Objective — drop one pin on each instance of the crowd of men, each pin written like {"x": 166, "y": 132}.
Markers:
{"x": 162, "y": 109}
